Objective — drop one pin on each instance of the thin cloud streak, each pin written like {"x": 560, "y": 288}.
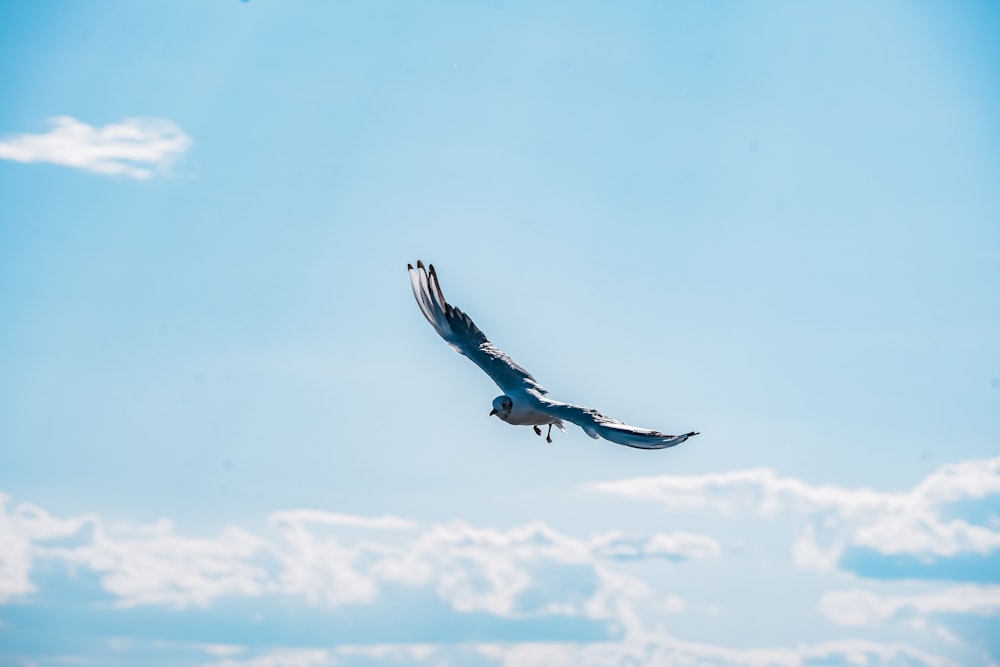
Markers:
{"x": 646, "y": 650}
{"x": 136, "y": 147}
{"x": 859, "y": 607}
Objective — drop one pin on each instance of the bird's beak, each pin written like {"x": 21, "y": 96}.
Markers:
{"x": 492, "y": 412}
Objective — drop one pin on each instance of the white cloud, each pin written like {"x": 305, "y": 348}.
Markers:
{"x": 318, "y": 566}
{"x": 170, "y": 569}
{"x": 18, "y": 530}
{"x": 320, "y": 517}
{"x": 222, "y": 649}
{"x": 860, "y": 607}
{"x": 912, "y": 523}
{"x": 298, "y": 657}
{"x": 135, "y": 147}
{"x": 525, "y": 571}
{"x": 497, "y": 571}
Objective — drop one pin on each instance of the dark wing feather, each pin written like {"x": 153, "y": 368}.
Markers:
{"x": 597, "y": 425}
{"x": 463, "y": 335}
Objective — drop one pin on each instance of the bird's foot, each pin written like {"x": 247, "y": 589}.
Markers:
{"x": 538, "y": 431}
{"x": 548, "y": 436}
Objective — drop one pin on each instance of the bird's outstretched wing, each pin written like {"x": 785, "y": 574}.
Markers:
{"x": 464, "y": 336}
{"x": 597, "y": 425}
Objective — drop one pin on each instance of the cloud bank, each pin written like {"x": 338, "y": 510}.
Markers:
{"x": 563, "y": 596}
{"x": 945, "y": 528}
{"x": 345, "y": 564}
{"x": 330, "y": 560}
{"x": 136, "y": 147}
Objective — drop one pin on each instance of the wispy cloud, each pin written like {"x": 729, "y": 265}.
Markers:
{"x": 291, "y": 657}
{"x": 860, "y": 607}
{"x": 665, "y": 650}
{"x": 649, "y": 650}
{"x": 302, "y": 517}
{"x": 675, "y": 546}
{"x": 920, "y": 533}
{"x": 135, "y": 147}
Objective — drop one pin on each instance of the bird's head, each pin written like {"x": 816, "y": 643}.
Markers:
{"x": 501, "y": 407}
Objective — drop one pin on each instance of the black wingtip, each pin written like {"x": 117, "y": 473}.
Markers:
{"x": 420, "y": 264}
{"x": 693, "y": 433}
{"x": 409, "y": 267}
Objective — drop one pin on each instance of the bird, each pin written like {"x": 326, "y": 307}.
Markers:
{"x": 524, "y": 401}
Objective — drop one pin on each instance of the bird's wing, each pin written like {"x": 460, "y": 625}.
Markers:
{"x": 597, "y": 425}
{"x": 464, "y": 336}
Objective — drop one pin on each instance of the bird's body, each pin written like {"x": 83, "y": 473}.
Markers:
{"x": 523, "y": 413}
{"x": 524, "y": 401}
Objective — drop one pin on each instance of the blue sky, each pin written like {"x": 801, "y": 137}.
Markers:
{"x": 229, "y": 438}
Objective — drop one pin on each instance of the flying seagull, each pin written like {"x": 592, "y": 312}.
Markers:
{"x": 524, "y": 402}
